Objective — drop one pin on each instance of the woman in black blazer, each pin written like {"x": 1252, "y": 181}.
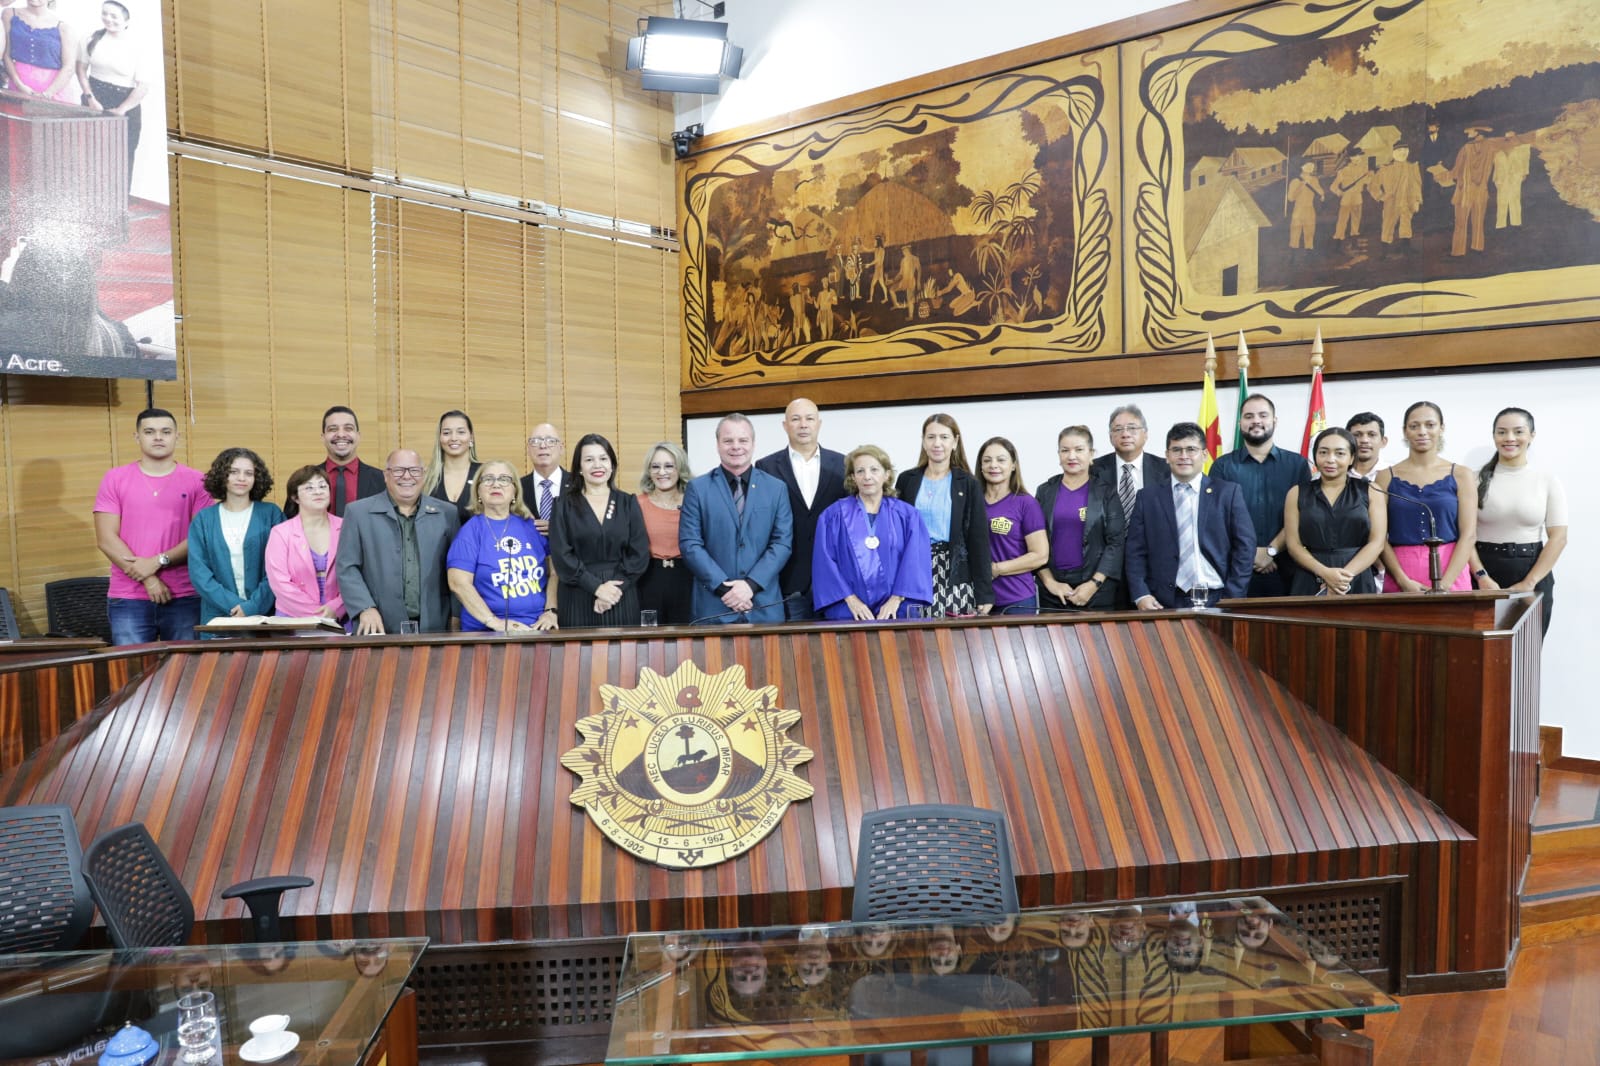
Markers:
{"x": 1085, "y": 567}
{"x": 950, "y": 501}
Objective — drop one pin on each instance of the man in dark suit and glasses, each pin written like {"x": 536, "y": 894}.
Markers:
{"x": 1189, "y": 532}
{"x": 814, "y": 477}
{"x": 1126, "y": 469}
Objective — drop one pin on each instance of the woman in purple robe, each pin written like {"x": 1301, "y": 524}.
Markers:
{"x": 872, "y": 559}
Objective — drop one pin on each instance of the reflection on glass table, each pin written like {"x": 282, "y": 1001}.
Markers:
{"x": 1039, "y": 975}
{"x": 332, "y": 996}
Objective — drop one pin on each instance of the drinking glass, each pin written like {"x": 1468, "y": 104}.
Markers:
{"x": 648, "y": 618}
{"x": 1198, "y": 596}
{"x": 410, "y": 629}
{"x": 198, "y": 1038}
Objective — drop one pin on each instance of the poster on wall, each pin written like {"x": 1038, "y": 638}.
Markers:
{"x": 1365, "y": 167}
{"x": 85, "y": 214}
{"x": 969, "y": 226}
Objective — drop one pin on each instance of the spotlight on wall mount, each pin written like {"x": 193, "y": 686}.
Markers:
{"x": 683, "y": 55}
{"x": 683, "y": 140}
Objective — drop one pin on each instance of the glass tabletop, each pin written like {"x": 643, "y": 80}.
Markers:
{"x": 1039, "y": 975}
{"x": 336, "y": 995}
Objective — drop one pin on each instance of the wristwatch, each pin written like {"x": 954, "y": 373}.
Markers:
{"x": 1272, "y": 553}
{"x": 163, "y": 560}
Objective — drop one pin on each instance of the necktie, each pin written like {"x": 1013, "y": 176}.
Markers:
{"x": 1125, "y": 490}
{"x": 738, "y": 495}
{"x": 338, "y": 491}
{"x": 544, "y": 500}
{"x": 1188, "y": 568}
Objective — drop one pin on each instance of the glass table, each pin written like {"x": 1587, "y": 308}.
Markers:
{"x": 1041, "y": 975}
{"x": 337, "y": 995}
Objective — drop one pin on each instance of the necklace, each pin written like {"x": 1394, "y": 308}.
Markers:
{"x": 872, "y": 528}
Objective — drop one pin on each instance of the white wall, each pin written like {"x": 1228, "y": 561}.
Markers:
{"x": 803, "y": 52}
{"x": 1561, "y": 399}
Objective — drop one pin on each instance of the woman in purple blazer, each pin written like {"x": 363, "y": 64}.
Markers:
{"x": 301, "y": 551}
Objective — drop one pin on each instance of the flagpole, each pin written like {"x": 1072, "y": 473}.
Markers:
{"x": 1208, "y": 408}
{"x": 1244, "y": 391}
{"x": 1316, "y": 409}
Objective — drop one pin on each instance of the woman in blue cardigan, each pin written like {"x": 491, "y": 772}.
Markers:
{"x": 228, "y": 541}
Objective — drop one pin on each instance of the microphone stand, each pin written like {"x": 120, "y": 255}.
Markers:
{"x": 1432, "y": 540}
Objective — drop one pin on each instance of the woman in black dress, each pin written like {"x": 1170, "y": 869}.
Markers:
{"x": 598, "y": 542}
{"x": 1336, "y": 525}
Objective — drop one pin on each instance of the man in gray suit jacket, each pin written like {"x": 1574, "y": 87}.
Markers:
{"x": 736, "y": 531}
{"x": 814, "y": 477}
{"x": 392, "y": 552}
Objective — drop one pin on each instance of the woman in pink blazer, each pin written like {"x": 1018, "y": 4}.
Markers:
{"x": 301, "y": 551}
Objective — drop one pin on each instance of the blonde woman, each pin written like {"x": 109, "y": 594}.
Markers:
{"x": 499, "y": 564}
{"x": 666, "y": 587}
{"x": 454, "y": 467}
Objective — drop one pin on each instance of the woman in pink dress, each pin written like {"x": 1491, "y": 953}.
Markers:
{"x": 301, "y": 550}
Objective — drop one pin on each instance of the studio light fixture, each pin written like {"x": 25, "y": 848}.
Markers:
{"x": 683, "y": 55}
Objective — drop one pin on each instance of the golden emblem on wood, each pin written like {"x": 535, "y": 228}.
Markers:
{"x": 687, "y": 770}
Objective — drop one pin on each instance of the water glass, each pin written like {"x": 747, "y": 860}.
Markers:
{"x": 648, "y": 618}
{"x": 1198, "y": 597}
{"x": 198, "y": 1039}
{"x": 197, "y": 1005}
{"x": 410, "y": 629}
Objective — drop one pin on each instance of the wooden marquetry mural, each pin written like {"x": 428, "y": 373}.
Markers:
{"x": 1370, "y": 167}
{"x": 967, "y": 226}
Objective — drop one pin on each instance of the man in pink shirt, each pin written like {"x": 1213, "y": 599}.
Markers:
{"x": 141, "y": 523}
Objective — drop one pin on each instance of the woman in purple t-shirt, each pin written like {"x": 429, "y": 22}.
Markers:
{"x": 1017, "y": 543}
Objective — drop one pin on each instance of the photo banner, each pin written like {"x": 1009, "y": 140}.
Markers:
{"x": 85, "y": 214}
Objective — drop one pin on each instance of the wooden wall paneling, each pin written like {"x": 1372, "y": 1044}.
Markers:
{"x": 311, "y": 322}
{"x": 427, "y": 100}
{"x": 490, "y": 111}
{"x": 641, "y": 195}
{"x": 379, "y": 383}
{"x": 430, "y": 354}
{"x": 644, "y": 376}
{"x": 306, "y": 77}
{"x": 587, "y": 179}
{"x": 357, "y": 68}
{"x": 588, "y": 339}
{"x": 493, "y": 391}
{"x": 58, "y": 435}
{"x": 227, "y": 327}
{"x": 222, "y": 63}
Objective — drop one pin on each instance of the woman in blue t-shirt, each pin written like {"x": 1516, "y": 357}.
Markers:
{"x": 499, "y": 564}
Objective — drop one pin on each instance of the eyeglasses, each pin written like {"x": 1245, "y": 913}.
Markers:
{"x": 408, "y": 472}
{"x": 1128, "y": 427}
{"x": 539, "y": 442}
{"x": 1184, "y": 451}
{"x": 497, "y": 479}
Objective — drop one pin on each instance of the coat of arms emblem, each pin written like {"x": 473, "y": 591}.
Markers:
{"x": 688, "y": 770}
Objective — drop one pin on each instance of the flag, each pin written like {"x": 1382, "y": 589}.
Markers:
{"x": 1317, "y": 416}
{"x": 1244, "y": 391}
{"x": 1209, "y": 419}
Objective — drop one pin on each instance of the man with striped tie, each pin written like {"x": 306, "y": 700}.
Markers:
{"x": 541, "y": 486}
{"x": 1191, "y": 540}
{"x": 1127, "y": 469}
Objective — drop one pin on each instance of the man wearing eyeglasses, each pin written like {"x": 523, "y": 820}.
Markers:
{"x": 541, "y": 486}
{"x": 1191, "y": 541}
{"x": 1126, "y": 469}
{"x": 392, "y": 550}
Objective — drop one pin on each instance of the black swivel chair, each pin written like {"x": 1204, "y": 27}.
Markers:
{"x": 44, "y": 906}
{"x": 933, "y": 862}
{"x": 76, "y": 607}
{"x": 145, "y": 905}
{"x": 8, "y": 618}
{"x": 936, "y": 862}
{"x": 44, "y": 903}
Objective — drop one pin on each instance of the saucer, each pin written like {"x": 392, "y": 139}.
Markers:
{"x": 269, "y": 1047}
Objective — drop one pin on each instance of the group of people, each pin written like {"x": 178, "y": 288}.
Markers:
{"x": 806, "y": 532}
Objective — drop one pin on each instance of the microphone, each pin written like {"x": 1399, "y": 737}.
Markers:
{"x": 735, "y": 614}
{"x": 1435, "y": 571}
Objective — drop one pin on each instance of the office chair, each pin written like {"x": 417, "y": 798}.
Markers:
{"x": 933, "y": 862}
{"x": 76, "y": 607}
{"x": 145, "y": 905}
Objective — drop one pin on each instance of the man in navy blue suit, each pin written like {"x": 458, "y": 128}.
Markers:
{"x": 814, "y": 477}
{"x": 1188, "y": 533}
{"x": 736, "y": 532}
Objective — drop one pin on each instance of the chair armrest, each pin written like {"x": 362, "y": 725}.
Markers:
{"x": 261, "y": 896}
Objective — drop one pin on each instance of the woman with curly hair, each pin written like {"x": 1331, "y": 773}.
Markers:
{"x": 228, "y": 540}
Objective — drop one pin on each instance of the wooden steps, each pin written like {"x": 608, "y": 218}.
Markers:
{"x": 1561, "y": 896}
